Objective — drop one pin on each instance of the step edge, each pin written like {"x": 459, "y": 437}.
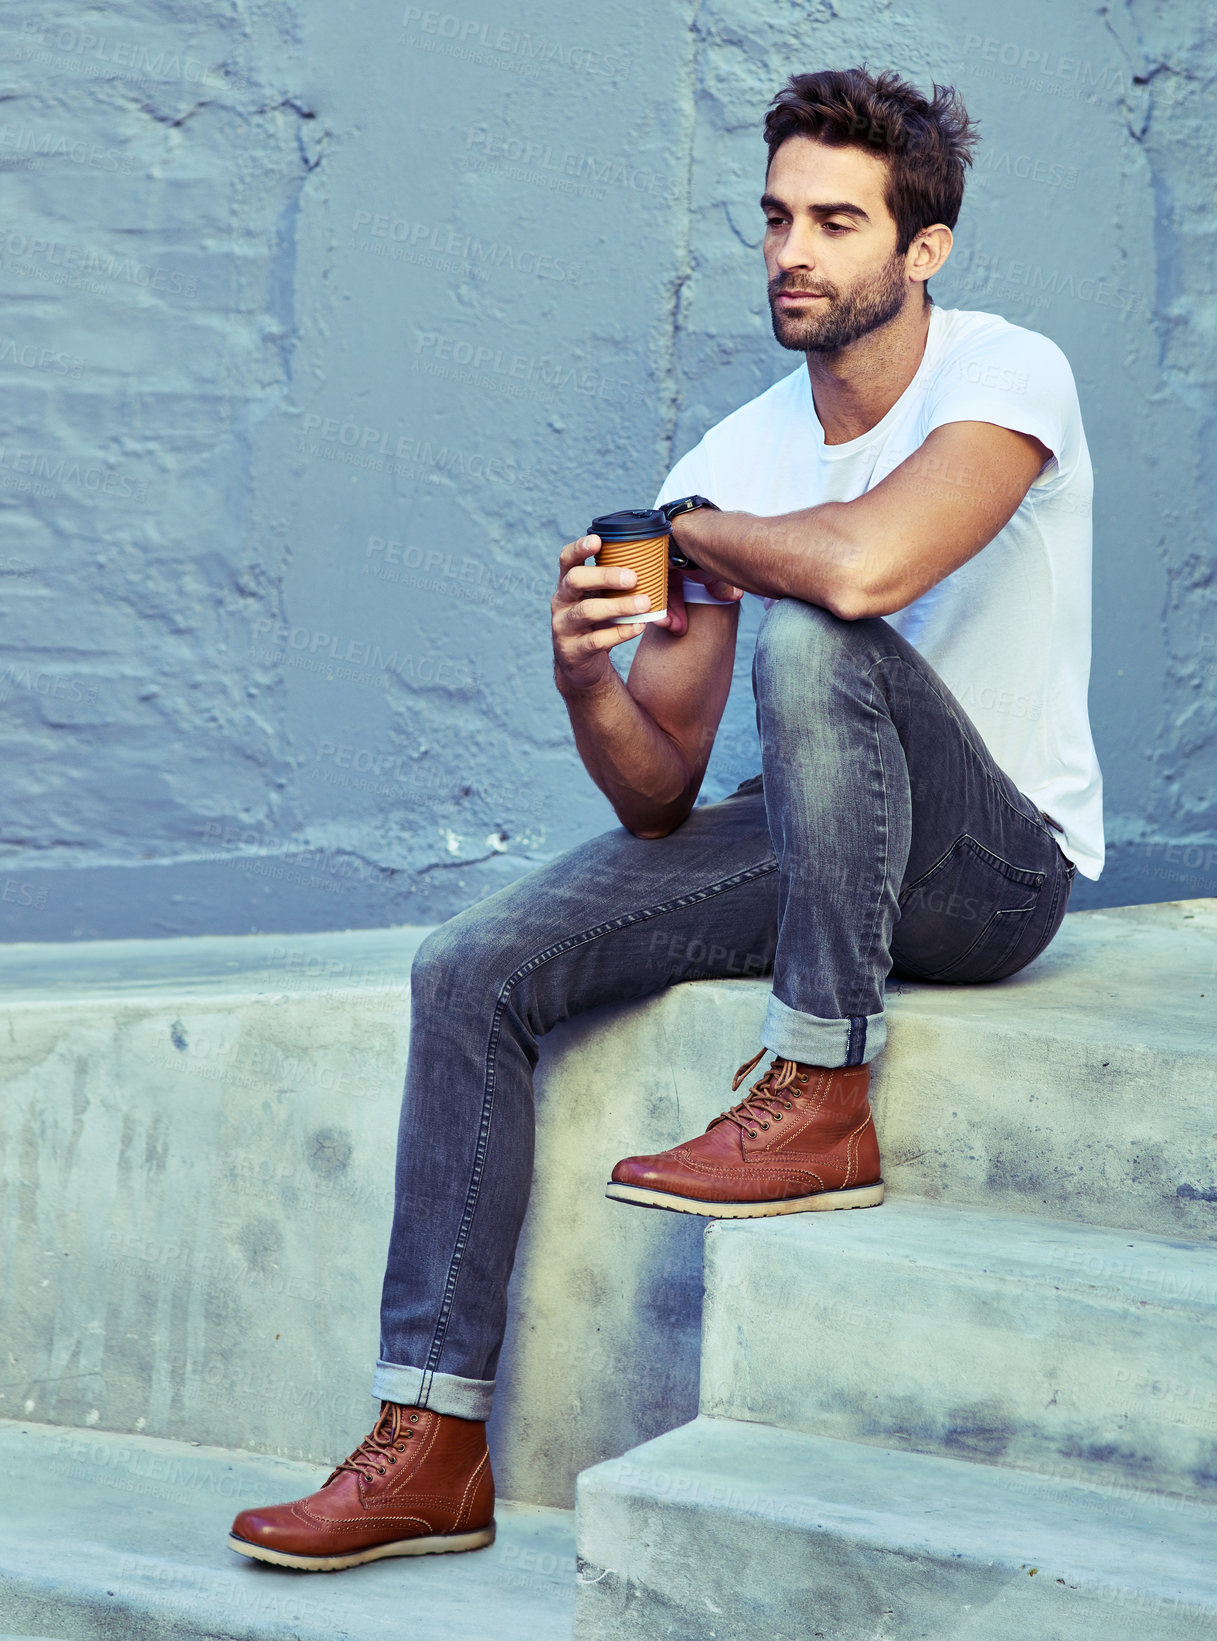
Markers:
{"x": 233, "y": 1457}
{"x": 1155, "y": 1515}
{"x": 1196, "y": 1263}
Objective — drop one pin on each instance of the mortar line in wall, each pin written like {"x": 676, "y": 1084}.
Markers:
{"x": 684, "y": 267}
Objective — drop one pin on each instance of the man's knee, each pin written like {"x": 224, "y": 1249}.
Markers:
{"x": 454, "y": 953}
{"x": 802, "y": 645}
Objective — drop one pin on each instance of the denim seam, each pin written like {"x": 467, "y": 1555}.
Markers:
{"x": 989, "y": 929}
{"x": 479, "y": 1162}
{"x": 1062, "y": 884}
{"x": 856, "y": 1046}
{"x": 1021, "y": 875}
{"x": 1059, "y": 881}
{"x": 883, "y": 865}
{"x": 1030, "y": 911}
{"x": 953, "y": 707}
{"x": 1026, "y": 876}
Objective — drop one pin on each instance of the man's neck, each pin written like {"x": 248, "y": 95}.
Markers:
{"x": 854, "y": 388}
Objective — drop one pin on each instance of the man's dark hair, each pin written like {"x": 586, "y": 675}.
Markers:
{"x": 926, "y": 143}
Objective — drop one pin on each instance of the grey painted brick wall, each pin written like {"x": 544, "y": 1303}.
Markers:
{"x": 324, "y": 327}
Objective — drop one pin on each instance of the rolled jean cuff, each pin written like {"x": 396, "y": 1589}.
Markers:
{"x": 796, "y": 1036}
{"x": 443, "y": 1392}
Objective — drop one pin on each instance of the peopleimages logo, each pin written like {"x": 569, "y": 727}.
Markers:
{"x": 23, "y": 139}
{"x": 1051, "y": 173}
{"x": 326, "y": 649}
{"x": 538, "y": 161}
{"x": 497, "y": 370}
{"x": 1050, "y": 65}
{"x": 22, "y": 894}
{"x": 78, "y": 264}
{"x": 405, "y": 452}
{"x": 56, "y": 686}
{"x": 30, "y": 356}
{"x": 1004, "y": 274}
{"x": 477, "y": 41}
{"x": 447, "y": 242}
{"x": 52, "y": 469}
{"x": 471, "y": 577}
{"x": 104, "y": 55}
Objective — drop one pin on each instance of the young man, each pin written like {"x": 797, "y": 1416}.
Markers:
{"x": 913, "y": 506}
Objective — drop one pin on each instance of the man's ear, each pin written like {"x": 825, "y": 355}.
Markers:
{"x": 929, "y": 250}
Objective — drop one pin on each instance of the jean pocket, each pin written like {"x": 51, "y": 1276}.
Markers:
{"x": 1056, "y": 910}
{"x": 963, "y": 919}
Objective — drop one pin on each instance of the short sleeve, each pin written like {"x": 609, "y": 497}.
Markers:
{"x": 1013, "y": 378}
{"x": 691, "y": 476}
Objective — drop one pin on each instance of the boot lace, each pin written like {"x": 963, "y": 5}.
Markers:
{"x": 768, "y": 1097}
{"x": 378, "y": 1450}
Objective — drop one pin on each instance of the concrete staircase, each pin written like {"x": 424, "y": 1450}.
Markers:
{"x": 121, "y": 1538}
{"x": 890, "y": 1419}
{"x": 723, "y": 1531}
{"x": 940, "y": 1420}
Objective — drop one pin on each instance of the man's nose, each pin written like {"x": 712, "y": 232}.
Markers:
{"x": 797, "y": 249}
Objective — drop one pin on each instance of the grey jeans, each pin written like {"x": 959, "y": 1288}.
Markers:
{"x": 880, "y": 837}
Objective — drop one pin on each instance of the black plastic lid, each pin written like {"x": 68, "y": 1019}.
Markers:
{"x": 634, "y": 524}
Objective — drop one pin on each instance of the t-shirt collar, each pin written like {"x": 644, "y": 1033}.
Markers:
{"x": 852, "y": 447}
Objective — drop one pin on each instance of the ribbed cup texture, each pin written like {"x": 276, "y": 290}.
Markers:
{"x": 649, "y": 559}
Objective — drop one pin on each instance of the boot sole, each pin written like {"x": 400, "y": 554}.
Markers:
{"x": 438, "y": 1544}
{"x": 857, "y": 1196}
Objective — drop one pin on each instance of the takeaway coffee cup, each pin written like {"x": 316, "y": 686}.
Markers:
{"x": 638, "y": 540}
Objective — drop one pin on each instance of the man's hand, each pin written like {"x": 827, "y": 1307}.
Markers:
{"x": 677, "y": 618}
{"x": 645, "y": 742}
{"x": 589, "y": 595}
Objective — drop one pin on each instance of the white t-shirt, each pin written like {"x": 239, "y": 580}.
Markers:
{"x": 1009, "y": 631}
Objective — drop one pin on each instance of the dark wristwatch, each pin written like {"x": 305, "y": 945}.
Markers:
{"x": 673, "y": 509}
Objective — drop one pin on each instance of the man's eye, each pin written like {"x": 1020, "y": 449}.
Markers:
{"x": 837, "y": 227}
{"x": 775, "y": 222}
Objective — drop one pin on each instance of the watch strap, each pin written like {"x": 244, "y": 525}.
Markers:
{"x": 672, "y": 510}
{"x": 685, "y": 504}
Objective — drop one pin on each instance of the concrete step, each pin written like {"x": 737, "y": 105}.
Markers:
{"x": 196, "y": 1169}
{"x": 197, "y": 1140}
{"x": 1048, "y": 1346}
{"x": 1081, "y": 1088}
{"x": 105, "y": 1536}
{"x": 723, "y": 1531}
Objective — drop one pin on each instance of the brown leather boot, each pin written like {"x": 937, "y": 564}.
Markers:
{"x": 418, "y": 1485}
{"x": 802, "y": 1139}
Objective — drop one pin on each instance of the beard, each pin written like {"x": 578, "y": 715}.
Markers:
{"x": 842, "y": 319}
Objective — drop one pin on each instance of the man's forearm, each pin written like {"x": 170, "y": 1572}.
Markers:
{"x": 878, "y": 553}
{"x": 640, "y": 769}
{"x": 806, "y": 555}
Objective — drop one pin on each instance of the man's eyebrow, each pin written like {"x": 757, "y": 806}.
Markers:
{"x": 770, "y": 202}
